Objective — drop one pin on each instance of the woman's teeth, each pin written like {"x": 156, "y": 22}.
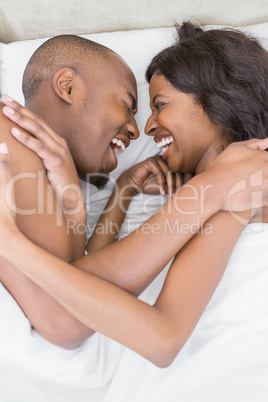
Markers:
{"x": 118, "y": 145}
{"x": 164, "y": 143}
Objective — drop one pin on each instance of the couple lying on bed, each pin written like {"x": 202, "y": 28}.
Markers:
{"x": 208, "y": 90}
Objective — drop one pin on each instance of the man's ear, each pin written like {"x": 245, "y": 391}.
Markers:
{"x": 63, "y": 84}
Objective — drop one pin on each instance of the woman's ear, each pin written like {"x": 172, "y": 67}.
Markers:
{"x": 63, "y": 84}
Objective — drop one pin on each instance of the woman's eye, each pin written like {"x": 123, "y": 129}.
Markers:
{"x": 158, "y": 106}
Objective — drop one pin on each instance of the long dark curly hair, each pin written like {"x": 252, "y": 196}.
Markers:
{"x": 226, "y": 71}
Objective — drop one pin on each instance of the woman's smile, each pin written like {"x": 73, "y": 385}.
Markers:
{"x": 181, "y": 128}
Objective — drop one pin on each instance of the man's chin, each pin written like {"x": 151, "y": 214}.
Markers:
{"x": 99, "y": 179}
{"x": 101, "y": 182}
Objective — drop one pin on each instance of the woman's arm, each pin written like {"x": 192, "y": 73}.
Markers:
{"x": 156, "y": 332}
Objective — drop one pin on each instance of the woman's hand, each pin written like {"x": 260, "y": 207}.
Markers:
{"x": 151, "y": 176}
{"x": 52, "y": 149}
{"x": 240, "y": 173}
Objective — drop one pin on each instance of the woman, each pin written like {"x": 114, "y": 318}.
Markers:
{"x": 192, "y": 123}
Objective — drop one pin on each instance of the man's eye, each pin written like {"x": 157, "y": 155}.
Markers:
{"x": 131, "y": 108}
{"x": 134, "y": 105}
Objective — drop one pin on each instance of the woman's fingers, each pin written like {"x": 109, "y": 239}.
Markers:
{"x": 39, "y": 147}
{"x": 16, "y": 106}
{"x": 29, "y": 121}
{"x": 257, "y": 144}
{"x": 30, "y": 125}
{"x": 44, "y": 141}
{"x": 50, "y": 147}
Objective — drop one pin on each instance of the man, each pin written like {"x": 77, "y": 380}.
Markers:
{"x": 88, "y": 95}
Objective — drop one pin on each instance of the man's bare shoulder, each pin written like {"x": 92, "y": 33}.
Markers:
{"x": 38, "y": 214}
{"x": 21, "y": 157}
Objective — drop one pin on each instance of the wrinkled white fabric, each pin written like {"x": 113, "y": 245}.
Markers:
{"x": 226, "y": 358}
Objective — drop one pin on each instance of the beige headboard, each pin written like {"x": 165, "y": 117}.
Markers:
{"x": 30, "y": 19}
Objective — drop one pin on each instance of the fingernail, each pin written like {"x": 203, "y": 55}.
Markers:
{"x": 3, "y": 148}
{"x": 8, "y": 110}
{"x": 8, "y": 98}
{"x": 50, "y": 176}
{"x": 15, "y": 131}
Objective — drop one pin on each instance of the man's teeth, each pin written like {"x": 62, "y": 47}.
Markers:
{"x": 164, "y": 143}
{"x": 120, "y": 146}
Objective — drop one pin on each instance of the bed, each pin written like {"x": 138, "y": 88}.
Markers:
{"x": 226, "y": 358}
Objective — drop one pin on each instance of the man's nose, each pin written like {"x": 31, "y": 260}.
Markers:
{"x": 132, "y": 129}
{"x": 151, "y": 126}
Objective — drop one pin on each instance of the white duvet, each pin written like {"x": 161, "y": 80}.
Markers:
{"x": 226, "y": 358}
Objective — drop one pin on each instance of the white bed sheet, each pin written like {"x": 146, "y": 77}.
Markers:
{"x": 226, "y": 358}
{"x": 32, "y": 369}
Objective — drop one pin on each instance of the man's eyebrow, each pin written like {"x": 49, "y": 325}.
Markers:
{"x": 133, "y": 100}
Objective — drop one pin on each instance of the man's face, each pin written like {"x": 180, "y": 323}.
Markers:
{"x": 104, "y": 122}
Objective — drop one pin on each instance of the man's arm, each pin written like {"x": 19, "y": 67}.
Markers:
{"x": 151, "y": 176}
{"x": 40, "y": 218}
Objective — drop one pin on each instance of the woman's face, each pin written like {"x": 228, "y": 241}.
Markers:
{"x": 181, "y": 129}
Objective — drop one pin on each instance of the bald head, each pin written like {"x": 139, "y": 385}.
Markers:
{"x": 87, "y": 94}
{"x": 71, "y": 51}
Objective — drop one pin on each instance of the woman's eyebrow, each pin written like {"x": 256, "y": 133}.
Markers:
{"x": 158, "y": 96}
